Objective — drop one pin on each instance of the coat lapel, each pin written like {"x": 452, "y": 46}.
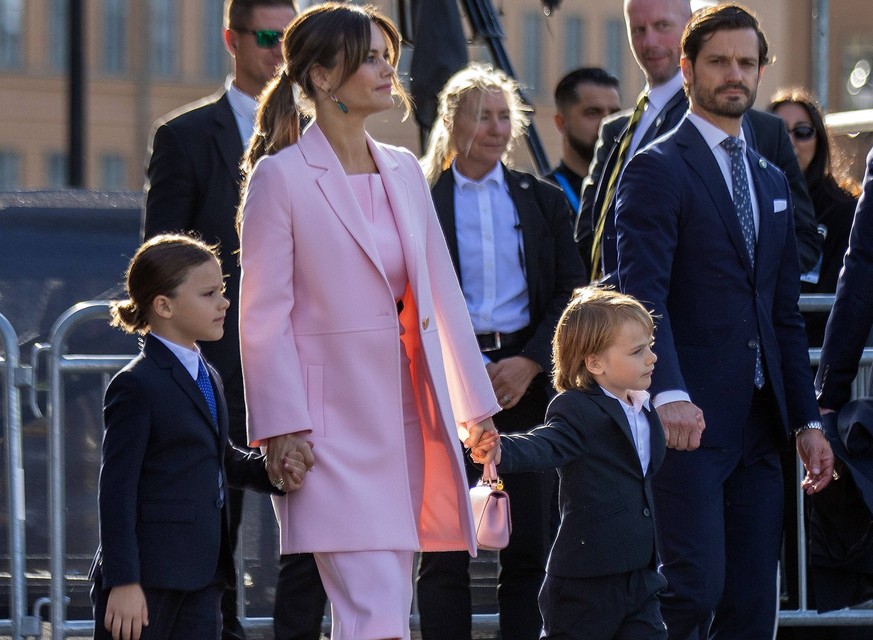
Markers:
{"x": 612, "y": 407}
{"x": 700, "y": 160}
{"x": 443, "y": 193}
{"x": 227, "y": 138}
{"x": 165, "y": 359}
{"x": 336, "y": 190}
{"x": 521, "y": 192}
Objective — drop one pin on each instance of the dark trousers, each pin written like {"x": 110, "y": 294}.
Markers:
{"x": 300, "y": 599}
{"x": 443, "y": 579}
{"x": 236, "y": 411}
{"x": 623, "y": 606}
{"x": 719, "y": 532}
{"x": 172, "y": 615}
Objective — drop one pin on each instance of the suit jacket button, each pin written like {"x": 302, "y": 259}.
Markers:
{"x": 582, "y": 541}
{"x": 752, "y": 344}
{"x": 219, "y": 503}
{"x": 425, "y": 323}
{"x": 646, "y": 512}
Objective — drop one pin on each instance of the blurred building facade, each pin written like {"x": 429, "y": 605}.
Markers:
{"x": 145, "y": 58}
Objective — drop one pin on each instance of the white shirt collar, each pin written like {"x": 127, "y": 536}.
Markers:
{"x": 711, "y": 133}
{"x": 190, "y": 358}
{"x": 659, "y": 96}
{"x": 495, "y": 175}
{"x": 639, "y": 399}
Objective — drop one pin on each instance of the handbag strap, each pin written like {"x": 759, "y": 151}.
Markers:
{"x": 490, "y": 477}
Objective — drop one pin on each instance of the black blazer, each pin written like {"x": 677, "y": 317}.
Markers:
{"x": 552, "y": 264}
{"x": 193, "y": 182}
{"x": 162, "y": 517}
{"x": 606, "y": 502}
{"x": 852, "y": 315}
{"x": 764, "y": 132}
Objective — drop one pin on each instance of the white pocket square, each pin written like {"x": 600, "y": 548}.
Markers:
{"x": 779, "y": 205}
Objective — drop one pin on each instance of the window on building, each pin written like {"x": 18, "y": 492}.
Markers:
{"x": 11, "y": 16}
{"x": 56, "y": 170}
{"x": 574, "y": 43}
{"x": 532, "y": 47}
{"x": 59, "y": 34}
{"x": 215, "y": 62}
{"x": 163, "y": 36}
{"x": 113, "y": 172}
{"x": 10, "y": 170}
{"x": 615, "y": 46}
{"x": 115, "y": 36}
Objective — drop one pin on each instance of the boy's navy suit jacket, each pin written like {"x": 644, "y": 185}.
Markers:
{"x": 162, "y": 516}
{"x": 607, "y": 513}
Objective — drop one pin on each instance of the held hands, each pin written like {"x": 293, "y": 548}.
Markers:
{"x": 126, "y": 612}
{"x": 288, "y": 459}
{"x": 683, "y": 425}
{"x": 484, "y": 442}
{"x": 511, "y": 377}
{"x": 818, "y": 460}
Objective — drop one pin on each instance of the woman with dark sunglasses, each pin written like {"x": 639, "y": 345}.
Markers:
{"x": 833, "y": 193}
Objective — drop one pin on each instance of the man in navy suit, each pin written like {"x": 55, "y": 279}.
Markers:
{"x": 193, "y": 180}
{"x": 706, "y": 237}
{"x": 654, "y": 29}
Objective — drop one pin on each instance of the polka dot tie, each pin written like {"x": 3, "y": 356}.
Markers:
{"x": 743, "y": 205}
{"x": 205, "y": 385}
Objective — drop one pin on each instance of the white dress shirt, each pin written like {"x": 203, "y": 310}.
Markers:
{"x": 639, "y": 423}
{"x": 491, "y": 253}
{"x": 243, "y": 106}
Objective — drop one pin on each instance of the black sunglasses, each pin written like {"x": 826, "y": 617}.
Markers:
{"x": 264, "y": 38}
{"x": 802, "y": 132}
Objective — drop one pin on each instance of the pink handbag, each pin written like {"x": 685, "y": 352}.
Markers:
{"x": 491, "y": 518}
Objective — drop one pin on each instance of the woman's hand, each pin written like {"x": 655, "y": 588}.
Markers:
{"x": 288, "y": 458}
{"x": 511, "y": 377}
{"x": 484, "y": 442}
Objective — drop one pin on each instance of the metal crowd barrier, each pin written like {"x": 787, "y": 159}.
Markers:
{"x": 19, "y": 625}
{"x": 61, "y": 363}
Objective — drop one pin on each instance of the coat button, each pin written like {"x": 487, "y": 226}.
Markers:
{"x": 582, "y": 541}
{"x": 219, "y": 503}
{"x": 752, "y": 344}
{"x": 425, "y": 323}
{"x": 646, "y": 512}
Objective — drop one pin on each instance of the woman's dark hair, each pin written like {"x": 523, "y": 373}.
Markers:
{"x": 157, "y": 268}
{"x": 328, "y": 35}
{"x": 828, "y": 168}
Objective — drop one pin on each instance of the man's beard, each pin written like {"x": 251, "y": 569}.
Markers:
{"x": 709, "y": 102}
{"x": 582, "y": 149}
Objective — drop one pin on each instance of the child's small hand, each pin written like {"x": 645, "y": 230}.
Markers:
{"x": 295, "y": 468}
{"x": 126, "y": 612}
{"x": 487, "y": 449}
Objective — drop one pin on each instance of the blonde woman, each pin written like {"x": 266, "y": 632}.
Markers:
{"x": 354, "y": 333}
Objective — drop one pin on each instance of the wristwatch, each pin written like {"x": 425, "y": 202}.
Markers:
{"x": 812, "y": 424}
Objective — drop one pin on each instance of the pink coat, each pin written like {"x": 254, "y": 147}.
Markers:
{"x": 320, "y": 350}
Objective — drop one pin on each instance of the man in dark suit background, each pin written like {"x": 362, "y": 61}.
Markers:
{"x": 654, "y": 30}
{"x": 706, "y": 237}
{"x": 193, "y": 180}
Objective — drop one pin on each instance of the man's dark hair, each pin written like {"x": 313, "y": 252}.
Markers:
{"x": 722, "y": 17}
{"x": 565, "y": 92}
{"x": 238, "y": 12}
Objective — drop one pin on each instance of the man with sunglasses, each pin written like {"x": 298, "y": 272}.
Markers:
{"x": 192, "y": 184}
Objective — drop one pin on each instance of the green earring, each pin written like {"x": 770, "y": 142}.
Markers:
{"x": 341, "y": 106}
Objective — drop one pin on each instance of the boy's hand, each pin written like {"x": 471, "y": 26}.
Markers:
{"x": 296, "y": 448}
{"x": 482, "y": 443}
{"x": 487, "y": 444}
{"x": 295, "y": 469}
{"x": 126, "y": 612}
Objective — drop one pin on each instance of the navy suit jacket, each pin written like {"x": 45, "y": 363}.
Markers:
{"x": 681, "y": 251}
{"x": 607, "y": 508}
{"x": 852, "y": 315}
{"x": 162, "y": 517}
{"x": 764, "y": 132}
{"x": 193, "y": 181}
{"x": 552, "y": 264}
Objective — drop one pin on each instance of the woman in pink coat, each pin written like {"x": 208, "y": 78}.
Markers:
{"x": 354, "y": 332}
